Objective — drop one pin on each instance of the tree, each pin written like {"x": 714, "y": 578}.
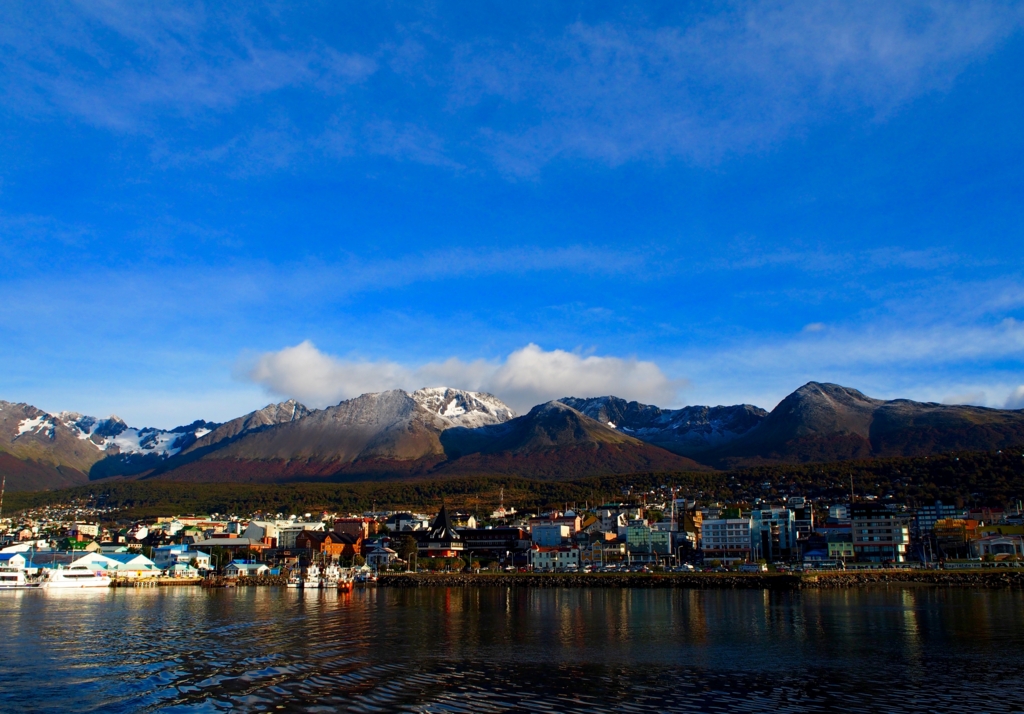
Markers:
{"x": 358, "y": 560}
{"x": 407, "y": 547}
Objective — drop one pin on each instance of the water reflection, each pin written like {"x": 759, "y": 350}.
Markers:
{"x": 495, "y": 649}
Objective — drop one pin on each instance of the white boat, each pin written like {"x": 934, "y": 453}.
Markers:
{"x": 80, "y": 577}
{"x": 14, "y": 579}
{"x": 332, "y": 574}
{"x": 312, "y": 581}
{"x": 295, "y": 580}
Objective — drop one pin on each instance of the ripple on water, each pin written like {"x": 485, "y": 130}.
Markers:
{"x": 482, "y": 651}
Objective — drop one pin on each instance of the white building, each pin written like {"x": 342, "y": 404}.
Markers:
{"x": 726, "y": 539}
{"x": 236, "y": 569}
{"x": 17, "y": 561}
{"x": 282, "y": 534}
{"x": 565, "y": 557}
{"x": 167, "y": 556}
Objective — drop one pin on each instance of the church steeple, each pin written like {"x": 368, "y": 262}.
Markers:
{"x": 441, "y": 529}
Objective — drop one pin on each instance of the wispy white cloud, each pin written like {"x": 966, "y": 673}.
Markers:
{"x": 132, "y": 62}
{"x": 734, "y": 82}
{"x": 526, "y": 377}
{"x": 703, "y": 88}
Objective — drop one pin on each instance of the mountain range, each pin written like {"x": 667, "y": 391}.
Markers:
{"x": 441, "y": 431}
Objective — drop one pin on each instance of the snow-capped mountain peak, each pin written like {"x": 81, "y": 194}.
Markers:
{"x": 459, "y": 407}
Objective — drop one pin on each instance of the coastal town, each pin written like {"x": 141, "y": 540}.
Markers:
{"x": 654, "y": 532}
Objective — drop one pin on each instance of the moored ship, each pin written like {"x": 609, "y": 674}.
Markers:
{"x": 75, "y": 578}
{"x": 16, "y": 579}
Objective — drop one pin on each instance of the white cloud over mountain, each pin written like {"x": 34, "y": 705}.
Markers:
{"x": 528, "y": 376}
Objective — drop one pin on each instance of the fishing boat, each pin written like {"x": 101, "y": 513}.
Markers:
{"x": 345, "y": 581}
{"x": 75, "y": 577}
{"x": 15, "y": 579}
{"x": 312, "y": 581}
{"x": 295, "y": 579}
{"x": 332, "y": 575}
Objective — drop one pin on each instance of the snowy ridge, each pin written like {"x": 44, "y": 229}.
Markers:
{"x": 112, "y": 435}
{"x": 687, "y": 430}
{"x": 458, "y": 407}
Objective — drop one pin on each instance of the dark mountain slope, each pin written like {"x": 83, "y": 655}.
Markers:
{"x": 828, "y": 422}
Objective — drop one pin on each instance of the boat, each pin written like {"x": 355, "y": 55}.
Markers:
{"x": 332, "y": 575}
{"x": 295, "y": 579}
{"x": 76, "y": 577}
{"x": 345, "y": 581}
{"x": 15, "y": 579}
{"x": 312, "y": 581}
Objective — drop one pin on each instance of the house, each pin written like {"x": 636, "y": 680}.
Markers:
{"x": 1000, "y": 547}
{"x": 182, "y": 570}
{"x": 167, "y": 556}
{"x": 239, "y": 568}
{"x": 461, "y": 519}
{"x": 16, "y": 561}
{"x": 356, "y": 527}
{"x": 379, "y": 556}
{"x": 556, "y": 518}
{"x": 131, "y": 565}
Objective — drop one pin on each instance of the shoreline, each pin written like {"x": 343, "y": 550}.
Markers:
{"x": 713, "y": 581}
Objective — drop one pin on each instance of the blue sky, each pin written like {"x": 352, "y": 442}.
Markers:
{"x": 208, "y": 206}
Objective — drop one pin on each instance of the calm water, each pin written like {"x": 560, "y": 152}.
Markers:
{"x": 490, "y": 650}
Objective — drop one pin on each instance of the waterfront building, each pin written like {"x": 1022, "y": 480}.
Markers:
{"x": 240, "y": 568}
{"x": 999, "y": 547}
{"x": 330, "y": 544}
{"x": 16, "y": 561}
{"x": 773, "y": 534}
{"x": 803, "y": 517}
{"x": 379, "y": 556}
{"x": 564, "y": 557}
{"x": 880, "y": 535}
{"x": 442, "y": 540}
{"x": 638, "y": 536}
{"x": 726, "y": 539}
{"x": 840, "y": 547}
{"x": 167, "y": 556}
{"x": 501, "y": 544}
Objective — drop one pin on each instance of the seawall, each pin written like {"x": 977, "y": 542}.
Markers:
{"x": 712, "y": 581}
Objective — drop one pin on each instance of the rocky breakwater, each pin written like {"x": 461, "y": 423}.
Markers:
{"x": 989, "y": 578}
{"x": 714, "y": 581}
{"x": 700, "y": 581}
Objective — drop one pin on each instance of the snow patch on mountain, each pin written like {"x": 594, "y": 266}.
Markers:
{"x": 41, "y": 423}
{"x": 458, "y": 407}
{"x": 687, "y": 430}
{"x": 112, "y": 435}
